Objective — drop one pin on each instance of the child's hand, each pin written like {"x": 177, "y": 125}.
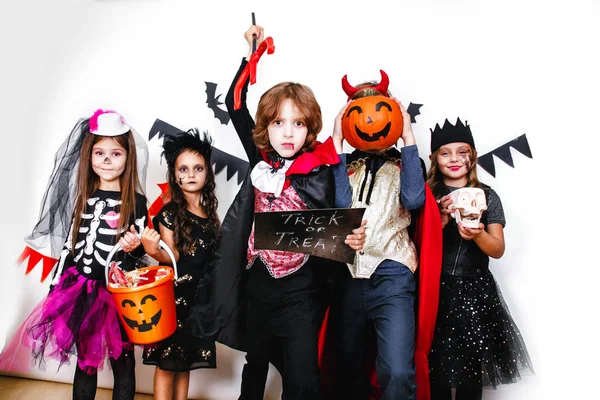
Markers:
{"x": 469, "y": 233}
{"x": 129, "y": 241}
{"x": 337, "y": 135}
{"x": 150, "y": 239}
{"x": 358, "y": 237}
{"x": 408, "y": 136}
{"x": 445, "y": 212}
{"x": 254, "y": 32}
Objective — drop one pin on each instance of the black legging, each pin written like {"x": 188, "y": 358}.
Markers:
{"x": 463, "y": 392}
{"x": 84, "y": 385}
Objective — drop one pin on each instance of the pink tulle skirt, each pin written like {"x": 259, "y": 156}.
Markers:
{"x": 79, "y": 317}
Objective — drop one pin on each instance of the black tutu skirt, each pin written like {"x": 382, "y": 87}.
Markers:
{"x": 181, "y": 351}
{"x": 476, "y": 341}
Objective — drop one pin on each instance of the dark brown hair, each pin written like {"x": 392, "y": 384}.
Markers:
{"x": 269, "y": 108}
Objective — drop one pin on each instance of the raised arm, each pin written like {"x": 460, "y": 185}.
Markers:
{"x": 412, "y": 182}
{"x": 241, "y": 119}
{"x": 343, "y": 192}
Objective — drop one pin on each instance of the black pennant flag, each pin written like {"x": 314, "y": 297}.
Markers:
{"x": 520, "y": 144}
{"x": 162, "y": 128}
{"x": 486, "y": 162}
{"x": 234, "y": 164}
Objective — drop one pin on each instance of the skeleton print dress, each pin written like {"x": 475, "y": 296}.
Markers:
{"x": 79, "y": 315}
{"x": 181, "y": 352}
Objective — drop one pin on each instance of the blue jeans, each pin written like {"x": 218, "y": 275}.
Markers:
{"x": 386, "y": 302}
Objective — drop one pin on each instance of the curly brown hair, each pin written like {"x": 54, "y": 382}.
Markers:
{"x": 269, "y": 108}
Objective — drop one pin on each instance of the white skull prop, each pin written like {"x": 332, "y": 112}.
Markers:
{"x": 468, "y": 205}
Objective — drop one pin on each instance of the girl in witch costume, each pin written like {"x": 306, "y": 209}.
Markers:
{"x": 380, "y": 287}
{"x": 264, "y": 301}
{"x": 476, "y": 341}
{"x": 187, "y": 224}
{"x": 79, "y": 316}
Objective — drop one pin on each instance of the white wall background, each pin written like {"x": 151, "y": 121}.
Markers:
{"x": 508, "y": 67}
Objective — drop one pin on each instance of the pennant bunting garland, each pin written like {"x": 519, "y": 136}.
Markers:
{"x": 35, "y": 257}
{"x": 520, "y": 144}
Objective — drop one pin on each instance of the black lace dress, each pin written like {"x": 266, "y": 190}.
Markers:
{"x": 181, "y": 352}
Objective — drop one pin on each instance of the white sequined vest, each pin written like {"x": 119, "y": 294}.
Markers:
{"x": 387, "y": 221}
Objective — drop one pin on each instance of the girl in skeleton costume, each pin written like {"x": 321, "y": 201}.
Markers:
{"x": 476, "y": 342}
{"x": 79, "y": 316}
{"x": 187, "y": 224}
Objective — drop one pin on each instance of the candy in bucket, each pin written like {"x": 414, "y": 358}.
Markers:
{"x": 145, "y": 299}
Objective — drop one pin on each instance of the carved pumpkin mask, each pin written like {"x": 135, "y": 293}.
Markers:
{"x": 373, "y": 122}
{"x": 145, "y": 317}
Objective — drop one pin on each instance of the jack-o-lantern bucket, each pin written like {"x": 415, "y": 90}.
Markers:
{"x": 148, "y": 311}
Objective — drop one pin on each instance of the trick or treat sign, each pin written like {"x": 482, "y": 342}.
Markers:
{"x": 317, "y": 232}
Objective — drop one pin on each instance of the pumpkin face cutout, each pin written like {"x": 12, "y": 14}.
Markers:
{"x": 372, "y": 123}
{"x": 143, "y": 318}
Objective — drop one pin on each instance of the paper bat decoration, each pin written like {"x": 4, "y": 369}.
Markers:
{"x": 212, "y": 99}
{"x": 413, "y": 111}
{"x": 220, "y": 159}
{"x": 520, "y": 144}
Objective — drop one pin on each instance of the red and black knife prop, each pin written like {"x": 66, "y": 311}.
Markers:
{"x": 250, "y": 69}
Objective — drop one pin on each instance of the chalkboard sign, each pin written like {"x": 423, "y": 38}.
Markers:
{"x": 317, "y": 232}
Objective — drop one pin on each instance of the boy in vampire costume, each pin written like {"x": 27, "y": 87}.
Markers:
{"x": 266, "y": 302}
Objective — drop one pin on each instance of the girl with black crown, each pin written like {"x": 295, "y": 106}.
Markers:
{"x": 476, "y": 342}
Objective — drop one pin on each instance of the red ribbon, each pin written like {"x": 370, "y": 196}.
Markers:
{"x": 159, "y": 203}
{"x": 250, "y": 70}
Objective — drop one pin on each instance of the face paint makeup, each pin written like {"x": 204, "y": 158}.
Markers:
{"x": 466, "y": 160}
{"x": 107, "y": 160}
{"x": 180, "y": 181}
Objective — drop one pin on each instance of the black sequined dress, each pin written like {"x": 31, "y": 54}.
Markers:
{"x": 181, "y": 352}
{"x": 476, "y": 341}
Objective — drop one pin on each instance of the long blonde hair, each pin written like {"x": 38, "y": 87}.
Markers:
{"x": 88, "y": 182}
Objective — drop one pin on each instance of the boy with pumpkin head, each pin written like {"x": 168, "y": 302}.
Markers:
{"x": 380, "y": 286}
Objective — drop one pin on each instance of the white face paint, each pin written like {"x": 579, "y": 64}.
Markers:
{"x": 287, "y": 133}
{"x": 468, "y": 205}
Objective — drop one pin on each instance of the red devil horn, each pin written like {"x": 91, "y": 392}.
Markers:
{"x": 348, "y": 88}
{"x": 382, "y": 87}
